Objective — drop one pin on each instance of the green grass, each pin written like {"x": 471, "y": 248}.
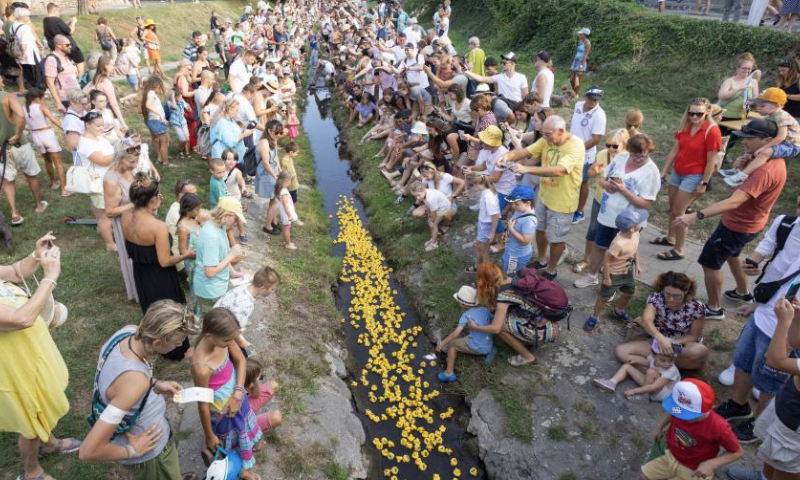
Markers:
{"x": 558, "y": 432}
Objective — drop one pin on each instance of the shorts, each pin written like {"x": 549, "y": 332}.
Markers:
{"x": 75, "y": 54}
{"x": 722, "y": 245}
{"x": 418, "y": 91}
{"x": 666, "y": 467}
{"x": 98, "y": 200}
{"x": 156, "y": 127}
{"x": 586, "y": 168}
{"x": 462, "y": 346}
{"x": 593, "y": 223}
{"x": 624, "y": 283}
{"x": 21, "y": 159}
{"x": 44, "y": 141}
{"x": 577, "y": 66}
{"x": 133, "y": 80}
{"x": 785, "y": 150}
{"x": 165, "y": 466}
{"x": 780, "y": 446}
{"x": 484, "y": 229}
{"x": 557, "y": 225}
{"x": 181, "y": 133}
{"x": 685, "y": 183}
{"x": 603, "y": 236}
{"x": 749, "y": 357}
{"x": 512, "y": 264}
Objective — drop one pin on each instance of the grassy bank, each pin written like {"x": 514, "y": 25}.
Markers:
{"x": 91, "y": 286}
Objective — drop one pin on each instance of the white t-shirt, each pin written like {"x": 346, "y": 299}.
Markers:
{"x": 507, "y": 180}
{"x": 548, "y": 89}
{"x": 239, "y": 75}
{"x": 28, "y": 41}
{"x": 412, "y": 35}
{"x": 437, "y": 201}
{"x": 240, "y": 302}
{"x": 87, "y": 147}
{"x": 418, "y": 77}
{"x": 462, "y": 114}
{"x": 489, "y": 205}
{"x": 785, "y": 263}
{"x": 672, "y": 374}
{"x": 445, "y": 184}
{"x": 645, "y": 182}
{"x": 72, "y": 122}
{"x": 586, "y": 124}
{"x": 246, "y": 111}
{"x": 511, "y": 87}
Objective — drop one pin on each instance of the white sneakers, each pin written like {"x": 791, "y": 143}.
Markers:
{"x": 587, "y": 280}
{"x": 726, "y": 376}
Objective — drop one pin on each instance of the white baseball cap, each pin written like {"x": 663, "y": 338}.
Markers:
{"x": 690, "y": 399}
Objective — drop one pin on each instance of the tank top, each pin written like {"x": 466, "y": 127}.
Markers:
{"x": 34, "y": 118}
{"x": 232, "y": 185}
{"x": 792, "y": 106}
{"x": 154, "y": 411}
{"x": 581, "y": 51}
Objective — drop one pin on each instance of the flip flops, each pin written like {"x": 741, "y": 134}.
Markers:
{"x": 663, "y": 241}
{"x": 519, "y": 361}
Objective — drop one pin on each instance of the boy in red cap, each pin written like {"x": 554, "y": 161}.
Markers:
{"x": 785, "y": 145}
{"x": 694, "y": 436}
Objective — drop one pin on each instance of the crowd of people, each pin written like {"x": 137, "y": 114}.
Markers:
{"x": 455, "y": 128}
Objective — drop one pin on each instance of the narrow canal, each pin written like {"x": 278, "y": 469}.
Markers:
{"x": 336, "y": 179}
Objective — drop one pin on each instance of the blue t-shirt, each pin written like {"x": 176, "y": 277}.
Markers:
{"x": 481, "y": 342}
{"x": 216, "y": 189}
{"x": 524, "y": 226}
{"x": 212, "y": 247}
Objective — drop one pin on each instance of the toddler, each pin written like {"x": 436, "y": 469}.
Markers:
{"x": 655, "y": 384}
{"x": 619, "y": 262}
{"x": 476, "y": 343}
{"x": 236, "y": 187}
{"x": 287, "y": 164}
{"x": 287, "y": 211}
{"x": 241, "y": 300}
{"x": 260, "y": 394}
{"x": 365, "y": 109}
{"x": 488, "y": 217}
{"x": 178, "y": 121}
{"x": 216, "y": 184}
{"x": 292, "y": 123}
{"x": 785, "y": 145}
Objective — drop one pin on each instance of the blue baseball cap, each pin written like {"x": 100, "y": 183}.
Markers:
{"x": 628, "y": 219}
{"x": 521, "y": 192}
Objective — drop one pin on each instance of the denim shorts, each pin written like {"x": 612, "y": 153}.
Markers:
{"x": 591, "y": 232}
{"x": 785, "y": 150}
{"x": 685, "y": 183}
{"x": 586, "y": 168}
{"x": 156, "y": 127}
{"x": 603, "y": 236}
{"x": 749, "y": 357}
{"x": 484, "y": 229}
{"x": 722, "y": 245}
{"x": 133, "y": 80}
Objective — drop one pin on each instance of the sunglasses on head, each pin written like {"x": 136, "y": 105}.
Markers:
{"x": 136, "y": 149}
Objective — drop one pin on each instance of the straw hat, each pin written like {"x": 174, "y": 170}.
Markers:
{"x": 272, "y": 86}
{"x": 230, "y": 204}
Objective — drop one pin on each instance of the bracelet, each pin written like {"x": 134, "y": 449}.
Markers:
{"x": 239, "y": 389}
{"x": 33, "y": 255}
{"x": 45, "y": 279}
{"x": 132, "y": 453}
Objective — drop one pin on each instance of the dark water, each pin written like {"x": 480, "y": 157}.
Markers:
{"x": 335, "y": 178}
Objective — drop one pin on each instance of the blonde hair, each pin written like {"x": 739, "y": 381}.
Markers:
{"x": 166, "y": 320}
{"x": 633, "y": 121}
{"x": 418, "y": 187}
{"x": 475, "y": 178}
{"x": 203, "y": 216}
{"x": 686, "y": 123}
{"x": 266, "y": 277}
{"x": 217, "y": 214}
{"x": 621, "y": 136}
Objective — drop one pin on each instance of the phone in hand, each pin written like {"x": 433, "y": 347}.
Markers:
{"x": 461, "y": 134}
{"x": 750, "y": 262}
{"x": 677, "y": 348}
{"x": 792, "y": 292}
{"x": 252, "y": 125}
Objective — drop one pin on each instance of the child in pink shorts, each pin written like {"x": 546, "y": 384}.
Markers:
{"x": 259, "y": 394}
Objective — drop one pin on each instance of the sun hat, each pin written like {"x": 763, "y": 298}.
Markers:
{"x": 419, "y": 128}
{"x": 521, "y": 192}
{"x": 758, "y": 128}
{"x": 584, "y": 31}
{"x": 629, "y": 219}
{"x": 491, "y": 136}
{"x": 771, "y": 95}
{"x": 271, "y": 86}
{"x": 230, "y": 204}
{"x": 482, "y": 88}
{"x": 466, "y": 295}
{"x": 690, "y": 399}
{"x": 149, "y": 22}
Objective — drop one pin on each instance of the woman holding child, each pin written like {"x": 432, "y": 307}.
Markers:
{"x": 674, "y": 318}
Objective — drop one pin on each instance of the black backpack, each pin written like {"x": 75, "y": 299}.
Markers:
{"x": 764, "y": 291}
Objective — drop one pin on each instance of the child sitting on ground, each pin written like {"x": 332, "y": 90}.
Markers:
{"x": 236, "y": 187}
{"x": 655, "y": 384}
{"x": 241, "y": 300}
{"x": 287, "y": 164}
{"x": 216, "y": 184}
{"x": 476, "y": 343}
{"x": 440, "y": 212}
{"x": 259, "y": 394}
{"x": 785, "y": 145}
{"x": 365, "y": 109}
{"x": 694, "y": 435}
{"x": 521, "y": 230}
{"x": 619, "y": 263}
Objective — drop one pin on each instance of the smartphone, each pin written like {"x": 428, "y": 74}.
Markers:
{"x": 461, "y": 134}
{"x": 792, "y": 292}
{"x": 252, "y": 125}
{"x": 677, "y": 348}
{"x": 750, "y": 262}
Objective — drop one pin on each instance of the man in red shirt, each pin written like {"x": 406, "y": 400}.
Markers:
{"x": 694, "y": 437}
{"x": 743, "y": 215}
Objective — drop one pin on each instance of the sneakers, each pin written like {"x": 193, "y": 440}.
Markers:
{"x": 605, "y": 384}
{"x": 739, "y": 297}
{"x": 586, "y": 281}
{"x": 736, "y": 180}
{"x": 726, "y": 376}
{"x": 731, "y": 410}
{"x": 578, "y": 217}
{"x": 715, "y": 313}
{"x": 548, "y": 275}
{"x": 744, "y": 432}
{"x": 538, "y": 265}
{"x": 589, "y": 324}
{"x": 243, "y": 240}
{"x": 399, "y": 200}
{"x": 623, "y": 315}
{"x": 740, "y": 473}
{"x": 445, "y": 378}
{"x": 431, "y": 246}
{"x": 729, "y": 172}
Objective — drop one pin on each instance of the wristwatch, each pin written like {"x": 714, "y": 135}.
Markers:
{"x": 705, "y": 184}
{"x": 700, "y": 215}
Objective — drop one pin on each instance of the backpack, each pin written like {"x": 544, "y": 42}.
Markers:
{"x": 250, "y": 161}
{"x": 549, "y": 296}
{"x": 764, "y": 291}
{"x": 98, "y": 407}
{"x": 16, "y": 50}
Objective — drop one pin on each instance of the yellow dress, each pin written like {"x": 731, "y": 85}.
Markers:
{"x": 33, "y": 376}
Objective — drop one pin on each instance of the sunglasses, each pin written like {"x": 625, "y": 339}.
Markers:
{"x": 695, "y": 114}
{"x": 135, "y": 149}
{"x": 611, "y": 145}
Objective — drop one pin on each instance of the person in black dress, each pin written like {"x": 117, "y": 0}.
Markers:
{"x": 789, "y": 81}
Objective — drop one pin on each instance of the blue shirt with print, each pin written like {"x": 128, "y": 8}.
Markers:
{"x": 481, "y": 342}
{"x": 524, "y": 226}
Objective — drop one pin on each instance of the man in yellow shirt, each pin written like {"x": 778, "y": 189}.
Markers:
{"x": 476, "y": 56}
{"x": 558, "y": 159}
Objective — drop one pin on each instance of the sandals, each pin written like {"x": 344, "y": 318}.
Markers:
{"x": 519, "y": 361}
{"x": 663, "y": 241}
{"x": 580, "y": 267}
{"x": 41, "y": 476}
{"x": 18, "y": 221}
{"x": 670, "y": 255}
{"x": 63, "y": 446}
